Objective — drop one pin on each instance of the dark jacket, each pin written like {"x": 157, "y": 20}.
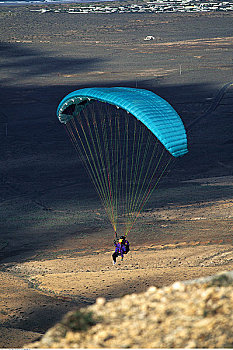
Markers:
{"x": 121, "y": 248}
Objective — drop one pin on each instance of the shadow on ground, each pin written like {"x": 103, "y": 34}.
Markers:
{"x": 19, "y": 62}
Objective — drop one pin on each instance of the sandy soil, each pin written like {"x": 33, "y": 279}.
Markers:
{"x": 55, "y": 243}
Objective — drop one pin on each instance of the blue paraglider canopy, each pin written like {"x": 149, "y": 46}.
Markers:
{"x": 153, "y": 111}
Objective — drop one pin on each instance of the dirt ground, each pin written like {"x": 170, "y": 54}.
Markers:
{"x": 55, "y": 242}
{"x": 181, "y": 243}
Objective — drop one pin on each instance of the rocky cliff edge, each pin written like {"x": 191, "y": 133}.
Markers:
{"x": 193, "y": 314}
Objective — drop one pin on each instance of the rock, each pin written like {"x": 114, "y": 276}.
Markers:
{"x": 100, "y": 301}
{"x": 191, "y": 314}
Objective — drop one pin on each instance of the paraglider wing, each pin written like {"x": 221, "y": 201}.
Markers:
{"x": 153, "y": 111}
{"x": 125, "y": 150}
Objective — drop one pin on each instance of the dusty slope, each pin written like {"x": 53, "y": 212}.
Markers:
{"x": 180, "y": 244}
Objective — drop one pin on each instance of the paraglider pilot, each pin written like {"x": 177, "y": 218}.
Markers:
{"x": 121, "y": 248}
